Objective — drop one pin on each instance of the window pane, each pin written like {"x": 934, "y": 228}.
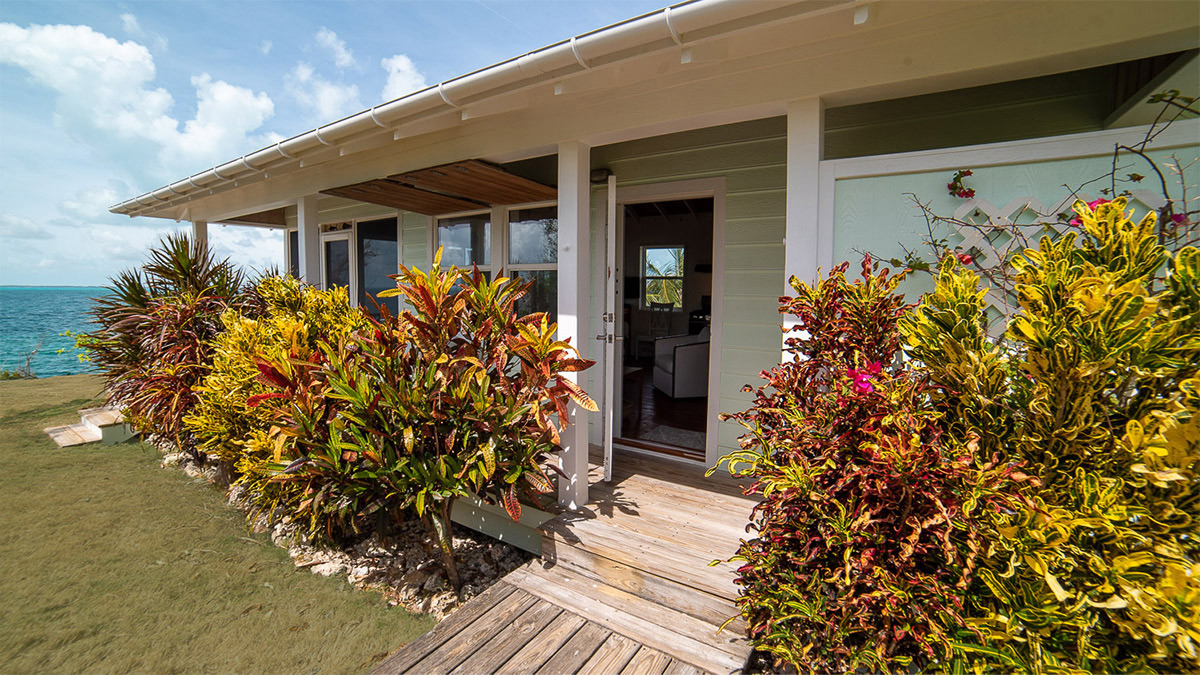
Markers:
{"x": 337, "y": 263}
{"x": 663, "y": 262}
{"x": 376, "y": 260}
{"x": 466, "y": 240}
{"x": 665, "y": 291}
{"x": 294, "y": 254}
{"x": 533, "y": 236}
{"x": 542, "y": 296}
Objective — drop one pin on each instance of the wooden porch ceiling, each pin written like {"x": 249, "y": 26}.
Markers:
{"x": 274, "y": 217}
{"x": 460, "y": 186}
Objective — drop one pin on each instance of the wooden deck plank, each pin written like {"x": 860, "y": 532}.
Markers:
{"x": 409, "y": 655}
{"x": 653, "y": 555}
{"x": 496, "y": 652}
{"x": 611, "y": 656}
{"x": 577, "y": 650}
{"x": 457, "y": 648}
{"x": 673, "y": 623}
{"x": 677, "y": 667}
{"x": 647, "y": 661}
{"x": 543, "y": 645}
{"x": 698, "y": 643}
{"x": 701, "y": 605}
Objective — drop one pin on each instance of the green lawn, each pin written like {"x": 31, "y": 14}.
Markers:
{"x": 109, "y": 563}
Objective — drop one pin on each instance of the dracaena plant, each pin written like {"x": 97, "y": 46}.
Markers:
{"x": 1096, "y": 389}
{"x": 456, "y": 395}
{"x": 154, "y": 329}
{"x": 865, "y": 538}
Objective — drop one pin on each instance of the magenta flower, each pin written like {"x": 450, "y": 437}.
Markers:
{"x": 862, "y": 377}
{"x": 1091, "y": 205}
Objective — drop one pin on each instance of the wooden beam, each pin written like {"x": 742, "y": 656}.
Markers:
{"x": 275, "y": 217}
{"x": 393, "y": 194}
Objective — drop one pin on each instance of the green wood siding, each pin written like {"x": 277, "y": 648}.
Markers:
{"x": 751, "y": 156}
{"x": 414, "y": 234}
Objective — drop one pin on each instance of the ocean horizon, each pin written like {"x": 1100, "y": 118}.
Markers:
{"x": 35, "y": 318}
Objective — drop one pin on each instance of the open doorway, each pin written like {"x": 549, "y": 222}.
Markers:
{"x": 666, "y": 312}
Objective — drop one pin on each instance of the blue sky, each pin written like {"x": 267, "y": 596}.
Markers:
{"x": 102, "y": 101}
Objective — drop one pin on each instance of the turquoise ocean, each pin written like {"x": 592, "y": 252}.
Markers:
{"x": 30, "y": 315}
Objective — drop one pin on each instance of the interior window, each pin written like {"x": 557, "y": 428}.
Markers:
{"x": 662, "y": 276}
{"x": 533, "y": 256}
{"x": 294, "y": 253}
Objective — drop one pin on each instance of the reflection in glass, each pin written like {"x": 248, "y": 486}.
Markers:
{"x": 466, "y": 240}
{"x": 542, "y": 296}
{"x": 376, "y": 260}
{"x": 337, "y": 262}
{"x": 533, "y": 236}
{"x": 294, "y": 254}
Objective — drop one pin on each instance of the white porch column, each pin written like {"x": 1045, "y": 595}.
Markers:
{"x": 310, "y": 240}
{"x": 200, "y": 231}
{"x": 805, "y": 132}
{"x": 574, "y": 297}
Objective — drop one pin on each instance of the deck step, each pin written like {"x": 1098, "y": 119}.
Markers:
{"x": 670, "y": 559}
{"x": 658, "y": 626}
{"x": 103, "y": 424}
{"x": 70, "y": 435}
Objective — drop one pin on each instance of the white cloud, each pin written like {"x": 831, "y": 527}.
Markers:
{"x": 342, "y": 56}
{"x": 18, "y": 227}
{"x": 326, "y": 101}
{"x": 134, "y": 28}
{"x": 105, "y": 86}
{"x": 403, "y": 77}
{"x": 265, "y": 47}
{"x": 131, "y": 24}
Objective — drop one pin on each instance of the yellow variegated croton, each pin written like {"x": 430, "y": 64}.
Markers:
{"x": 297, "y": 316}
{"x": 1097, "y": 393}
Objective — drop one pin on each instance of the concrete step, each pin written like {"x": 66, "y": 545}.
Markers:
{"x": 72, "y": 434}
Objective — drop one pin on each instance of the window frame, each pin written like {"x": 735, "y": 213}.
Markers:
{"x": 511, "y": 269}
{"x": 645, "y": 278}
{"x": 495, "y": 248}
{"x": 352, "y": 233}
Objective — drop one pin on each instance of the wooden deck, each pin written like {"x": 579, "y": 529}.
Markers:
{"x": 624, "y": 585}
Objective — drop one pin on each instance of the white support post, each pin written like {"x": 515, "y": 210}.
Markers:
{"x": 200, "y": 231}
{"x": 310, "y": 240}
{"x": 805, "y": 138}
{"x": 574, "y": 296}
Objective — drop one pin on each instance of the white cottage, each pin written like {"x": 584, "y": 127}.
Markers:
{"x": 661, "y": 178}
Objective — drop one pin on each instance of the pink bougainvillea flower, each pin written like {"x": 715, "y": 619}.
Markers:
{"x": 1091, "y": 205}
{"x": 965, "y": 258}
{"x": 1178, "y": 218}
{"x": 862, "y": 377}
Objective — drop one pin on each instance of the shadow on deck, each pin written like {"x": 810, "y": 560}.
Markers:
{"x": 624, "y": 585}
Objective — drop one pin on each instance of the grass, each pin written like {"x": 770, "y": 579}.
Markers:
{"x": 109, "y": 563}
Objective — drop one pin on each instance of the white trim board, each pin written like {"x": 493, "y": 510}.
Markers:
{"x": 1088, "y": 144}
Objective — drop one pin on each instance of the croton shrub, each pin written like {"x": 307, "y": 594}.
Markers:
{"x": 1027, "y": 505}
{"x": 295, "y": 317}
{"x": 456, "y": 395}
{"x": 1097, "y": 394}
{"x": 867, "y": 536}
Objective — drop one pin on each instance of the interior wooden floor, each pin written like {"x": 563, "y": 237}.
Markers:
{"x": 644, "y": 408}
